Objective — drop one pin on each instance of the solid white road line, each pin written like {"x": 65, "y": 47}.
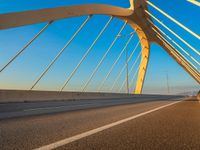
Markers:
{"x": 91, "y": 132}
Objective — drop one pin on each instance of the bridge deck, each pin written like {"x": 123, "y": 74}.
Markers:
{"x": 173, "y": 127}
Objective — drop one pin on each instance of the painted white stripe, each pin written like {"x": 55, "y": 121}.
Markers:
{"x": 91, "y": 132}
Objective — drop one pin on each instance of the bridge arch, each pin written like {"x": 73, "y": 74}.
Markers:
{"x": 46, "y": 15}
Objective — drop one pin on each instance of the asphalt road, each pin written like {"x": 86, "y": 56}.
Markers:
{"x": 11, "y": 110}
{"x": 160, "y": 124}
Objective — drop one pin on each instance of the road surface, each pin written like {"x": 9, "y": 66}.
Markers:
{"x": 151, "y": 124}
{"x": 10, "y": 110}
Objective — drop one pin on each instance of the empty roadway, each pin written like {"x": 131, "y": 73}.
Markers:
{"x": 19, "y": 109}
{"x": 175, "y": 126}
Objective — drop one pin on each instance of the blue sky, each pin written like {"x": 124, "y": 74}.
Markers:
{"x": 24, "y": 70}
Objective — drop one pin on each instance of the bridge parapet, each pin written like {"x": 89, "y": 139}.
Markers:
{"x": 10, "y": 96}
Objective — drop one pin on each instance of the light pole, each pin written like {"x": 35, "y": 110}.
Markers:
{"x": 167, "y": 78}
{"x": 127, "y": 77}
{"x": 127, "y": 81}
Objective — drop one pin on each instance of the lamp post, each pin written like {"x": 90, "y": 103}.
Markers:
{"x": 167, "y": 78}
{"x": 127, "y": 80}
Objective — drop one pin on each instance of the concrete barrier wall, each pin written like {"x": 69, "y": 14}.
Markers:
{"x": 29, "y": 96}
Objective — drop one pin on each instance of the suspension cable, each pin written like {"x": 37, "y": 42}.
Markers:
{"x": 132, "y": 68}
{"x": 192, "y": 71}
{"x": 103, "y": 58}
{"x": 177, "y": 53}
{"x": 85, "y": 55}
{"x": 137, "y": 71}
{"x": 134, "y": 75}
{"x": 114, "y": 64}
{"x": 174, "y": 20}
{"x": 175, "y": 43}
{"x": 119, "y": 75}
{"x": 27, "y": 45}
{"x": 195, "y": 2}
{"x": 60, "y": 52}
{"x": 175, "y": 49}
{"x": 186, "y": 43}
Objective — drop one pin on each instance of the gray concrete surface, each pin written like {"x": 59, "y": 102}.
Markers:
{"x": 30, "y": 96}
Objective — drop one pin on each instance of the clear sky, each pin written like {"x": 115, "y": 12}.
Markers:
{"x": 22, "y": 73}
